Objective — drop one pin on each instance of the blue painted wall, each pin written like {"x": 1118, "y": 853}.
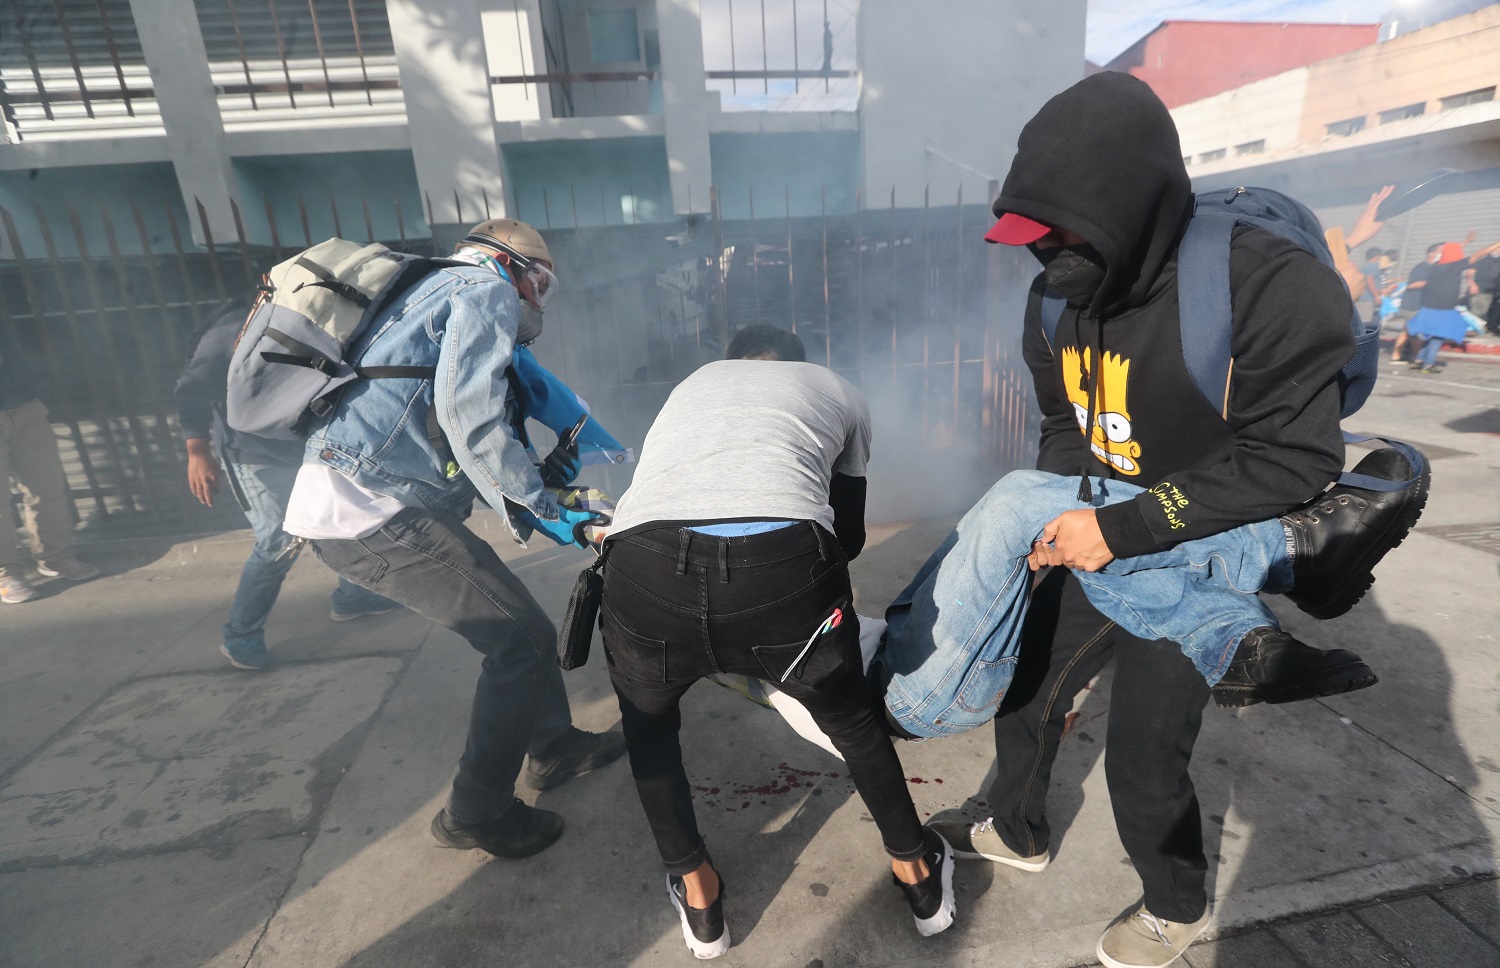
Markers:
{"x": 342, "y": 183}
{"x": 152, "y": 187}
{"x": 782, "y": 167}
{"x": 616, "y": 181}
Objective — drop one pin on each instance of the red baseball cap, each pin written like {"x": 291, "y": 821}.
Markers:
{"x": 1013, "y": 229}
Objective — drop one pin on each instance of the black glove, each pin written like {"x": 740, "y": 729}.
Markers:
{"x": 561, "y": 466}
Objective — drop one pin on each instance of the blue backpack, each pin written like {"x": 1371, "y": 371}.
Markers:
{"x": 1206, "y": 315}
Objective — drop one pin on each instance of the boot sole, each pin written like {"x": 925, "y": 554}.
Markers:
{"x": 702, "y": 950}
{"x": 1347, "y": 594}
{"x": 1348, "y": 680}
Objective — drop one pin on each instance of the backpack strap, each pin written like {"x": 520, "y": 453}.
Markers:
{"x": 1414, "y": 457}
{"x": 1052, "y": 311}
{"x": 1207, "y": 328}
{"x": 519, "y": 424}
{"x": 301, "y": 354}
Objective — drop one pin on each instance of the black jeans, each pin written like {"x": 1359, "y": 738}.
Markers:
{"x": 679, "y": 605}
{"x": 1155, "y": 711}
{"x": 434, "y": 565}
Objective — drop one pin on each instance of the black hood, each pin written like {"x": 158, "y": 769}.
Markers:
{"x": 1103, "y": 159}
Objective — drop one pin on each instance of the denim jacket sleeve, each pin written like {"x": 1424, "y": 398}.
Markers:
{"x": 471, "y": 394}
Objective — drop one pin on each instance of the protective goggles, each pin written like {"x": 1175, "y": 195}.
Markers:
{"x": 542, "y": 281}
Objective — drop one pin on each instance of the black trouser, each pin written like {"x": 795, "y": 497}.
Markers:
{"x": 1155, "y": 710}
{"x": 679, "y": 605}
{"x": 434, "y": 565}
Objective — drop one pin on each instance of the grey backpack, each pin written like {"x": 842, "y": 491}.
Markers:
{"x": 290, "y": 355}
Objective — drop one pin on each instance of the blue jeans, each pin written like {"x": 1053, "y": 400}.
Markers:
{"x": 262, "y": 491}
{"x": 1430, "y": 349}
{"x": 954, "y": 635}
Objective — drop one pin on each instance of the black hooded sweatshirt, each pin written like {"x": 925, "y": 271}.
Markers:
{"x": 1102, "y": 159}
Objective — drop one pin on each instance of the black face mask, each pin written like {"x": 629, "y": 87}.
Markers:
{"x": 1074, "y": 272}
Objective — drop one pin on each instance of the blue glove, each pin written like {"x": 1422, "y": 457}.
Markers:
{"x": 568, "y": 528}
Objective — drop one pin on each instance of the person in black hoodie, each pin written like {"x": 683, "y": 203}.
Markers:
{"x": 1099, "y": 193}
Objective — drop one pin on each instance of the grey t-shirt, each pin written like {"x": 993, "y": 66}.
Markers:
{"x": 749, "y": 439}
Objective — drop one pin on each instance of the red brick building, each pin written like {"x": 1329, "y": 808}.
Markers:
{"x": 1184, "y": 60}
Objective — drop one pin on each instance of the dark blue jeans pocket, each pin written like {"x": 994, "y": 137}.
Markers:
{"x": 633, "y": 657}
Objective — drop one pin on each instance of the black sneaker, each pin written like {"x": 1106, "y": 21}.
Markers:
{"x": 1339, "y": 536}
{"x": 520, "y": 832}
{"x": 1271, "y": 666}
{"x": 574, "y": 753}
{"x": 931, "y": 898}
{"x": 703, "y": 929}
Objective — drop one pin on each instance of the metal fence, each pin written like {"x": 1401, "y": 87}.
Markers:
{"x": 908, "y": 304}
{"x": 782, "y": 55}
{"x": 284, "y": 62}
{"x": 74, "y": 69}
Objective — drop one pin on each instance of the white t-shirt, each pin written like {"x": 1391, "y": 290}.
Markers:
{"x": 326, "y": 505}
{"x": 749, "y": 439}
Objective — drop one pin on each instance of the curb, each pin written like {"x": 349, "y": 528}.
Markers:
{"x": 1473, "y": 350}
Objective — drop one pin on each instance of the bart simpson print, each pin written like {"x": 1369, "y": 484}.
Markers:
{"x": 1111, "y": 440}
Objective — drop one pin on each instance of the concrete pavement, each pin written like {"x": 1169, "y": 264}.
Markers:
{"x": 158, "y": 808}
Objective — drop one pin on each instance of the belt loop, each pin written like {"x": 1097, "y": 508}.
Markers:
{"x": 822, "y": 541}
{"x": 684, "y": 538}
{"x": 724, "y": 561}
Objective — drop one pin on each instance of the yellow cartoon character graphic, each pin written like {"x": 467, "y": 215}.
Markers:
{"x": 1111, "y": 440}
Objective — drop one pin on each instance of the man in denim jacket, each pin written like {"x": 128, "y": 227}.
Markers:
{"x": 392, "y": 471}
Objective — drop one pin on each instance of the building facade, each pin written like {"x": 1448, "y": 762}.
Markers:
{"x": 1335, "y": 131}
{"x": 573, "y": 112}
{"x": 1188, "y": 60}
{"x": 695, "y": 165}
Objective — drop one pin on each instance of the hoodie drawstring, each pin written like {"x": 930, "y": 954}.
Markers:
{"x": 1089, "y": 378}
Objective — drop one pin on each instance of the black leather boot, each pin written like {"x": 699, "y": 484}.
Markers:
{"x": 1337, "y": 538}
{"x": 1271, "y": 666}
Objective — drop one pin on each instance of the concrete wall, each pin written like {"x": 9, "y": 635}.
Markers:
{"x": 1268, "y": 110}
{"x": 444, "y": 74}
{"x": 961, "y": 84}
{"x": 1452, "y": 57}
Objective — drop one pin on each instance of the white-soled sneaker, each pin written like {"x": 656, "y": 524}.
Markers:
{"x": 931, "y": 899}
{"x": 705, "y": 932}
{"x": 980, "y": 841}
{"x": 1140, "y": 939}
{"x": 15, "y": 589}
{"x": 67, "y": 567}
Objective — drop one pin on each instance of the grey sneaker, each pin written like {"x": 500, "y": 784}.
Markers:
{"x": 15, "y": 589}
{"x": 67, "y": 567}
{"x": 247, "y": 654}
{"x": 1142, "y": 940}
{"x": 979, "y": 841}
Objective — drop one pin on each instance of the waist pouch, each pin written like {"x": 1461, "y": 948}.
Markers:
{"x": 581, "y": 616}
